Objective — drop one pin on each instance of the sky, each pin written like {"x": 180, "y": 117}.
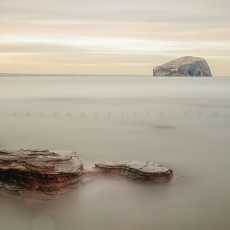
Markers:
{"x": 111, "y": 36}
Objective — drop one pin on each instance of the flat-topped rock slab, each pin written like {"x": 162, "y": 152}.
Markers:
{"x": 49, "y": 171}
{"x": 136, "y": 169}
{"x": 40, "y": 169}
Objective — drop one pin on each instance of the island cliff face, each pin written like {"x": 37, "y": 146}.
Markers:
{"x": 184, "y": 66}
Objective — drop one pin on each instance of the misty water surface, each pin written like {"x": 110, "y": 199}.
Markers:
{"x": 182, "y": 123}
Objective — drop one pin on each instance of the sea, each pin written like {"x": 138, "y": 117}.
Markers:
{"x": 183, "y": 123}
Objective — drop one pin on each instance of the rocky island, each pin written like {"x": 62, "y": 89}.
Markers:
{"x": 184, "y": 66}
{"x": 44, "y": 170}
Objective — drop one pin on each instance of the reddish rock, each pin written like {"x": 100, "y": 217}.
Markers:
{"x": 40, "y": 169}
{"x": 138, "y": 170}
{"x": 49, "y": 171}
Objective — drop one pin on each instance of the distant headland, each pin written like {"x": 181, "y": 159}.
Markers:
{"x": 184, "y": 66}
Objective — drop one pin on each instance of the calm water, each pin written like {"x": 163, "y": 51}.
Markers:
{"x": 183, "y": 123}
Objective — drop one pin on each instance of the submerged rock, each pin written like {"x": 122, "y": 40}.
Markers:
{"x": 39, "y": 169}
{"x": 184, "y": 66}
{"x": 135, "y": 169}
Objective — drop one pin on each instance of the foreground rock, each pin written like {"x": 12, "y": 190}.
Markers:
{"x": 184, "y": 66}
{"x": 147, "y": 171}
{"x": 49, "y": 171}
{"x": 39, "y": 169}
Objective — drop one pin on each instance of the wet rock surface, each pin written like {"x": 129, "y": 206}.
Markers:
{"x": 48, "y": 171}
{"x": 39, "y": 169}
{"x": 146, "y": 171}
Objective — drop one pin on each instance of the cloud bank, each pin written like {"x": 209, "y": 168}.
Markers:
{"x": 120, "y": 37}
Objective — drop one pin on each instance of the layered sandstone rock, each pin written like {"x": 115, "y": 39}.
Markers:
{"x": 46, "y": 170}
{"x": 39, "y": 169}
{"x": 136, "y": 169}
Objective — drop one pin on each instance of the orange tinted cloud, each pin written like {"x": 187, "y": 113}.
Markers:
{"x": 101, "y": 36}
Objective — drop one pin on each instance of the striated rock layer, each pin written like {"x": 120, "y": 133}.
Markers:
{"x": 46, "y": 170}
{"x": 184, "y": 66}
{"x": 39, "y": 169}
{"x": 146, "y": 171}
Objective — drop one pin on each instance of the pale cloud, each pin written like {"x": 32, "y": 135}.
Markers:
{"x": 107, "y": 36}
{"x": 196, "y": 11}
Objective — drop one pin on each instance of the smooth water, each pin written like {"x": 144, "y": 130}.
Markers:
{"x": 182, "y": 123}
